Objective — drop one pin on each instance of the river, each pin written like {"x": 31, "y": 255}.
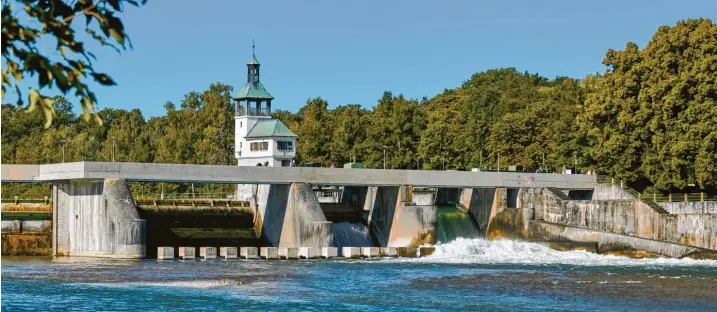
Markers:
{"x": 466, "y": 274}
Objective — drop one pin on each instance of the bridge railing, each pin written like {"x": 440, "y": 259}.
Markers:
{"x": 659, "y": 197}
{"x": 186, "y": 196}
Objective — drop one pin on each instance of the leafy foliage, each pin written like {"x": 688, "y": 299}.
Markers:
{"x": 41, "y": 20}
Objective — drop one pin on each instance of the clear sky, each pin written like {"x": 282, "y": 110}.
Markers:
{"x": 349, "y": 52}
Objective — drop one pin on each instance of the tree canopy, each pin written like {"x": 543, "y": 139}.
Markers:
{"x": 649, "y": 119}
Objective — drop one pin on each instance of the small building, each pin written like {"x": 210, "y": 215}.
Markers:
{"x": 259, "y": 139}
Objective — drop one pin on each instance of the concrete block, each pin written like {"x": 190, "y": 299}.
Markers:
{"x": 426, "y": 251}
{"x": 369, "y": 252}
{"x": 249, "y": 252}
{"x": 165, "y": 253}
{"x": 351, "y": 252}
{"x": 208, "y": 252}
{"x": 389, "y": 252}
{"x": 269, "y": 253}
{"x": 308, "y": 252}
{"x": 228, "y": 252}
{"x": 408, "y": 252}
{"x": 186, "y": 253}
{"x": 289, "y": 253}
{"x": 329, "y": 252}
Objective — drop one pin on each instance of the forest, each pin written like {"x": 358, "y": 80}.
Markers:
{"x": 649, "y": 119}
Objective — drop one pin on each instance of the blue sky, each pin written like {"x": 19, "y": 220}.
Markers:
{"x": 349, "y": 52}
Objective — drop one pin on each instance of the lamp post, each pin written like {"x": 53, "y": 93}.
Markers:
{"x": 384, "y": 156}
{"x": 113, "y": 148}
{"x": 64, "y": 142}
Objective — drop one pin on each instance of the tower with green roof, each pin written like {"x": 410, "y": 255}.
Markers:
{"x": 259, "y": 139}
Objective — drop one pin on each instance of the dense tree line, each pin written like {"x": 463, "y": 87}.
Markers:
{"x": 649, "y": 119}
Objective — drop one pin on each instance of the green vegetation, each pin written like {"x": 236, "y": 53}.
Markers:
{"x": 649, "y": 119}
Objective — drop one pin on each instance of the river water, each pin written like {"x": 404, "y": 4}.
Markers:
{"x": 466, "y": 274}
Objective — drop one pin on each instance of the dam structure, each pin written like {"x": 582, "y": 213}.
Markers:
{"x": 95, "y": 215}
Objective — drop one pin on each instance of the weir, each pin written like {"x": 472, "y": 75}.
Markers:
{"x": 97, "y": 217}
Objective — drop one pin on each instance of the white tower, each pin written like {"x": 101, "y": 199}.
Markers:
{"x": 259, "y": 139}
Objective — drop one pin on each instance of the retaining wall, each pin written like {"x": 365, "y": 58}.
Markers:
{"x": 690, "y": 207}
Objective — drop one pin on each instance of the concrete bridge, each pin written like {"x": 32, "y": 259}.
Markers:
{"x": 95, "y": 215}
{"x": 286, "y": 175}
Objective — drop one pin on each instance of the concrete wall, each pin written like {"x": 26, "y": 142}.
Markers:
{"x": 483, "y": 204}
{"x": 291, "y": 216}
{"x": 628, "y": 217}
{"x": 96, "y": 218}
{"x": 690, "y": 207}
{"x": 609, "y": 191}
{"x": 395, "y": 222}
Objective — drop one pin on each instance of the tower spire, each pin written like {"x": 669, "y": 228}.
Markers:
{"x": 252, "y": 47}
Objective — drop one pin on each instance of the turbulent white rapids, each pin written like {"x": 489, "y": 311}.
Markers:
{"x": 483, "y": 251}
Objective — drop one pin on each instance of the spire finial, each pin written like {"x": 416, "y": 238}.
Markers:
{"x": 252, "y": 47}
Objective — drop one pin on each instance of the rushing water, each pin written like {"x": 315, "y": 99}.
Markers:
{"x": 351, "y": 234}
{"x": 467, "y": 274}
{"x": 453, "y": 223}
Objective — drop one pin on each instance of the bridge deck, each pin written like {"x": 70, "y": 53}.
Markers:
{"x": 285, "y": 175}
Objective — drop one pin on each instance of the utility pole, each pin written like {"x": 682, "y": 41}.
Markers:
{"x": 113, "y": 148}
{"x": 575, "y": 162}
{"x": 543, "y": 167}
{"x": 498, "y": 162}
{"x": 64, "y": 142}
{"x": 384, "y": 157}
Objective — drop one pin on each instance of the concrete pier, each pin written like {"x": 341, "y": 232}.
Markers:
{"x": 408, "y": 252}
{"x": 351, "y": 252}
{"x": 289, "y": 253}
{"x": 208, "y": 252}
{"x": 96, "y": 218}
{"x": 369, "y": 252}
{"x": 228, "y": 252}
{"x": 269, "y": 253}
{"x": 426, "y": 251}
{"x": 165, "y": 253}
{"x": 186, "y": 253}
{"x": 249, "y": 252}
{"x": 309, "y": 252}
{"x": 329, "y": 252}
{"x": 389, "y": 252}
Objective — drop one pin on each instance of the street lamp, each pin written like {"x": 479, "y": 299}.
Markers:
{"x": 575, "y": 162}
{"x": 113, "y": 148}
{"x": 384, "y": 156}
{"x": 64, "y": 142}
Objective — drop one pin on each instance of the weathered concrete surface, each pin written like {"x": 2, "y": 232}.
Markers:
{"x": 424, "y": 199}
{"x": 96, "y": 218}
{"x": 426, "y": 251}
{"x": 228, "y": 252}
{"x": 627, "y": 217}
{"x": 511, "y": 223}
{"x": 351, "y": 252}
{"x": 291, "y": 216}
{"x": 609, "y": 191}
{"x": 208, "y": 252}
{"x": 389, "y": 252}
{"x": 483, "y": 204}
{"x": 165, "y": 253}
{"x": 249, "y": 252}
{"x": 287, "y": 175}
{"x": 309, "y": 252}
{"x": 370, "y": 252}
{"x": 690, "y": 207}
{"x": 329, "y": 252}
{"x": 269, "y": 252}
{"x": 289, "y": 253}
{"x": 187, "y": 253}
{"x": 394, "y": 222}
{"x": 609, "y": 242}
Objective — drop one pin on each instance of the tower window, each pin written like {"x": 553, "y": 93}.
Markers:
{"x": 240, "y": 124}
{"x": 287, "y": 146}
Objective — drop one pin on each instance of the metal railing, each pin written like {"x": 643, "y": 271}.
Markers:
{"x": 186, "y": 196}
{"x": 659, "y": 198}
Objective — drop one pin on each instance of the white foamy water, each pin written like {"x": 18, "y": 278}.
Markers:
{"x": 483, "y": 251}
{"x": 198, "y": 284}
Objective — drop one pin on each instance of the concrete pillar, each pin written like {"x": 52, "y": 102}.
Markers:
{"x": 482, "y": 204}
{"x": 186, "y": 253}
{"x": 208, "y": 252}
{"x": 329, "y": 252}
{"x": 389, "y": 252}
{"x": 309, "y": 252}
{"x": 398, "y": 223}
{"x": 426, "y": 251}
{"x": 269, "y": 253}
{"x": 165, "y": 253}
{"x": 249, "y": 252}
{"x": 228, "y": 252}
{"x": 370, "y": 252}
{"x": 351, "y": 252}
{"x": 289, "y": 253}
{"x": 290, "y": 216}
{"x": 96, "y": 218}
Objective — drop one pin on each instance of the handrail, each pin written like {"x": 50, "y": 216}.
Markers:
{"x": 659, "y": 198}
